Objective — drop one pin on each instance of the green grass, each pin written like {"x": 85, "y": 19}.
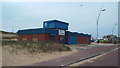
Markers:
{"x": 105, "y": 41}
{"x": 36, "y": 47}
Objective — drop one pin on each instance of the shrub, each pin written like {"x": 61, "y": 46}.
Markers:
{"x": 36, "y": 47}
{"x": 105, "y": 41}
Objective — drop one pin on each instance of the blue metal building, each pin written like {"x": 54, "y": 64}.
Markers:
{"x": 57, "y": 31}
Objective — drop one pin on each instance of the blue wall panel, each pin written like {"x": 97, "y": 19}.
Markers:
{"x": 38, "y": 31}
{"x": 61, "y": 25}
{"x": 51, "y": 25}
{"x": 71, "y": 40}
{"x": 55, "y": 24}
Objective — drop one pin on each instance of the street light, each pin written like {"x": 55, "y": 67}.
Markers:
{"x": 98, "y": 21}
{"x": 113, "y": 39}
{"x": 113, "y": 28}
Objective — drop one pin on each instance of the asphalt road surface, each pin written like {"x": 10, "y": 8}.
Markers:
{"x": 109, "y": 59}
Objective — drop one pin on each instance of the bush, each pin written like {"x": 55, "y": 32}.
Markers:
{"x": 105, "y": 41}
{"x": 36, "y": 47}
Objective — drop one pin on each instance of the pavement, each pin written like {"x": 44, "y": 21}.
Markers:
{"x": 110, "y": 59}
{"x": 82, "y": 53}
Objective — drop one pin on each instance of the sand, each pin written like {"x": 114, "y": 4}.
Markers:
{"x": 0, "y": 56}
{"x": 21, "y": 58}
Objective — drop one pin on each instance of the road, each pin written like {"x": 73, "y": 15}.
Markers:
{"x": 80, "y": 55}
{"x": 109, "y": 59}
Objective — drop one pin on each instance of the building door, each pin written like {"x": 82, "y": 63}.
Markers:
{"x": 71, "y": 40}
{"x": 63, "y": 39}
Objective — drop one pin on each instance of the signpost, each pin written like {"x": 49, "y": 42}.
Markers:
{"x": 61, "y": 32}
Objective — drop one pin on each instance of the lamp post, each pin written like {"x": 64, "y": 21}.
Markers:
{"x": 113, "y": 28}
{"x": 98, "y": 21}
{"x": 113, "y": 39}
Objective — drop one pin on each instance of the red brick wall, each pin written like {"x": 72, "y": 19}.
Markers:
{"x": 20, "y": 37}
{"x": 45, "y": 37}
{"x": 57, "y": 38}
{"x": 82, "y": 40}
{"x": 40, "y": 37}
{"x": 29, "y": 37}
{"x": 67, "y": 39}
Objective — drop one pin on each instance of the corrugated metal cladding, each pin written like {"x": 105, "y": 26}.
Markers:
{"x": 71, "y": 40}
{"x": 50, "y": 32}
{"x": 38, "y": 31}
{"x": 55, "y": 24}
{"x": 80, "y": 38}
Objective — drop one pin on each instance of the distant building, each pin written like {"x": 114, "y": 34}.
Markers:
{"x": 110, "y": 38}
{"x": 54, "y": 30}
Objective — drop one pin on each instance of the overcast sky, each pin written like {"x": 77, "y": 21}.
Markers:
{"x": 25, "y": 15}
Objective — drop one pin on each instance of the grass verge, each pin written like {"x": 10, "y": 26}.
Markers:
{"x": 35, "y": 47}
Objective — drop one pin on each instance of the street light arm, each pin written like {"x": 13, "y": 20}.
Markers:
{"x": 100, "y": 13}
